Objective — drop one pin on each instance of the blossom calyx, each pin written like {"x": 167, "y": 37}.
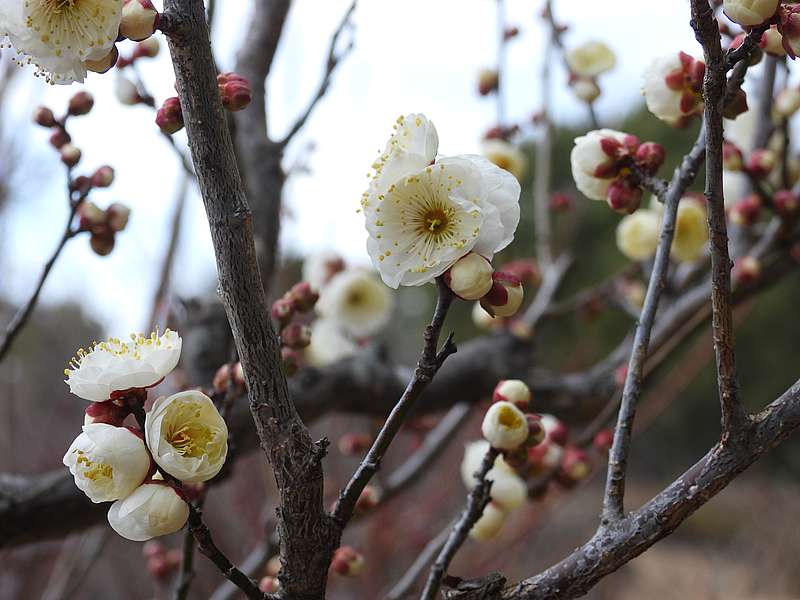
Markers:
{"x": 470, "y": 278}
{"x": 649, "y": 157}
{"x": 505, "y": 296}
{"x": 139, "y": 20}
{"x": 504, "y": 426}
{"x": 624, "y": 196}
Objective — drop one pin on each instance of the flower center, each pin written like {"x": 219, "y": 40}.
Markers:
{"x": 77, "y": 26}
{"x": 435, "y": 221}
{"x": 508, "y": 418}
{"x": 93, "y": 470}
{"x": 191, "y": 440}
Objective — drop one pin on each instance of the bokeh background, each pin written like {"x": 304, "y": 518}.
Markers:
{"x": 412, "y": 56}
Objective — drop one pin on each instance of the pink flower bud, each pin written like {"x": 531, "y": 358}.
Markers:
{"x": 102, "y": 242}
{"x": 234, "y": 91}
{"x": 505, "y": 296}
{"x": 148, "y": 48}
{"x": 105, "y": 64}
{"x": 353, "y": 444}
{"x": 273, "y": 566}
{"x": 44, "y": 116}
{"x": 139, "y": 20}
{"x": 488, "y": 81}
{"x": 347, "y": 562}
{"x": 732, "y": 159}
{"x": 650, "y": 156}
{"x": 536, "y": 432}
{"x": 368, "y": 499}
{"x": 290, "y": 361}
{"x": 283, "y": 310}
{"x": 160, "y": 568}
{"x": 761, "y": 162}
{"x": 117, "y": 216}
{"x": 103, "y": 177}
{"x": 560, "y": 202}
{"x": 470, "y": 278}
{"x": 59, "y": 138}
{"x": 514, "y": 391}
{"x": 603, "y": 440}
{"x": 169, "y": 117}
{"x": 70, "y": 155}
{"x": 557, "y": 431}
{"x": 303, "y": 296}
{"x": 269, "y": 585}
{"x": 510, "y": 32}
{"x": 153, "y": 548}
{"x": 746, "y": 212}
{"x": 624, "y": 197}
{"x": 746, "y": 270}
{"x": 576, "y": 464}
{"x": 785, "y": 203}
{"x": 524, "y": 269}
{"x": 80, "y": 104}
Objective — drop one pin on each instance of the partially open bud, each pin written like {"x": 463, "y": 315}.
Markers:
{"x": 746, "y": 212}
{"x": 732, "y": 159}
{"x": 603, "y": 440}
{"x": 347, "y": 562}
{"x": 785, "y": 203}
{"x": 772, "y": 42}
{"x": 283, "y": 310}
{"x": 269, "y": 585}
{"x": 746, "y": 270}
{"x": 44, "y": 116}
{"x": 504, "y": 426}
{"x": 139, "y": 20}
{"x": 234, "y": 91}
{"x": 490, "y": 523}
{"x": 514, "y": 391}
{"x": 126, "y": 91}
{"x": 296, "y": 335}
{"x": 80, "y": 104}
{"x": 488, "y": 81}
{"x": 70, "y": 155}
{"x": 624, "y": 197}
{"x": 169, "y": 117}
{"x": 748, "y": 13}
{"x": 505, "y": 297}
{"x": 761, "y": 162}
{"x": 575, "y": 463}
{"x": 470, "y": 277}
{"x": 152, "y": 510}
{"x": 105, "y": 64}
{"x": 303, "y": 296}
{"x": 117, "y": 216}
{"x": 354, "y": 444}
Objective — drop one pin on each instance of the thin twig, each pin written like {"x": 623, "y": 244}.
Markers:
{"x": 186, "y": 574}
{"x": 429, "y": 363}
{"x": 707, "y": 33}
{"x": 332, "y": 62}
{"x": 551, "y": 281}
{"x": 477, "y": 500}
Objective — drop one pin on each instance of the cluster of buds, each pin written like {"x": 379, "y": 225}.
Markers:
{"x": 103, "y": 225}
{"x": 161, "y": 563}
{"x": 288, "y": 312}
{"x": 80, "y": 104}
{"x": 234, "y": 91}
{"x": 347, "y": 562}
{"x": 602, "y": 164}
{"x": 472, "y": 278}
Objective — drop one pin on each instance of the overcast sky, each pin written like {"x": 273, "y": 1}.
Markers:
{"x": 410, "y": 56}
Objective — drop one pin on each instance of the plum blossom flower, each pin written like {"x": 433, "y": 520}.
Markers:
{"x": 508, "y": 488}
{"x": 691, "y": 231}
{"x": 153, "y": 509}
{"x": 329, "y": 343}
{"x": 422, "y": 215}
{"x": 114, "y": 366}
{"x": 748, "y": 13}
{"x": 108, "y": 462}
{"x": 673, "y": 86}
{"x": 591, "y": 59}
{"x": 637, "y": 234}
{"x": 60, "y": 36}
{"x": 187, "y": 436}
{"x": 489, "y": 525}
{"x": 506, "y": 156}
{"x": 357, "y": 301}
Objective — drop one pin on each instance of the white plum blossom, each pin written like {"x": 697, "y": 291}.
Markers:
{"x": 504, "y": 426}
{"x": 593, "y": 167}
{"x": 320, "y": 267}
{"x": 114, "y": 366}
{"x": 329, "y": 343}
{"x": 637, "y": 234}
{"x": 357, "y": 301}
{"x": 187, "y": 436}
{"x": 108, "y": 462}
{"x": 60, "y": 36}
{"x": 153, "y": 509}
{"x": 508, "y": 488}
{"x": 673, "y": 87}
{"x": 489, "y": 525}
{"x": 749, "y": 12}
{"x": 591, "y": 59}
{"x": 506, "y": 156}
{"x": 691, "y": 231}
{"x": 423, "y": 214}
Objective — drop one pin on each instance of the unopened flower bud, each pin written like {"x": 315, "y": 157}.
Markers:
{"x": 470, "y": 277}
{"x": 126, "y": 91}
{"x": 624, "y": 197}
{"x": 70, "y": 155}
{"x": 732, "y": 159}
{"x": 368, "y": 499}
{"x": 269, "y": 585}
{"x": 482, "y": 319}
{"x": 148, "y": 48}
{"x": 102, "y": 243}
{"x": 746, "y": 270}
{"x": 103, "y": 177}
{"x": 169, "y": 117}
{"x": 117, "y": 216}
{"x": 105, "y": 64}
{"x": 90, "y": 215}
{"x": 560, "y": 202}
{"x": 353, "y": 444}
{"x": 153, "y": 548}
{"x": 488, "y": 81}
{"x": 785, "y": 203}
{"x": 303, "y": 296}
{"x": 736, "y": 106}
{"x": 160, "y": 567}
{"x": 748, "y": 13}
{"x": 787, "y": 102}
{"x": 490, "y": 523}
{"x": 273, "y": 566}
{"x": 59, "y": 138}
{"x": 746, "y": 212}
{"x": 772, "y": 42}
{"x": 80, "y": 104}
{"x": 105, "y": 412}
{"x": 514, "y": 391}
{"x": 283, "y": 310}
{"x": 575, "y": 463}
{"x": 510, "y": 32}
{"x": 536, "y": 432}
{"x": 139, "y": 20}
{"x": 234, "y": 91}
{"x": 556, "y": 430}
{"x": 290, "y": 361}
{"x": 44, "y": 116}
{"x": 603, "y": 440}
{"x": 347, "y": 562}
{"x": 504, "y": 426}
{"x": 585, "y": 89}
{"x": 505, "y": 297}
{"x": 650, "y": 156}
